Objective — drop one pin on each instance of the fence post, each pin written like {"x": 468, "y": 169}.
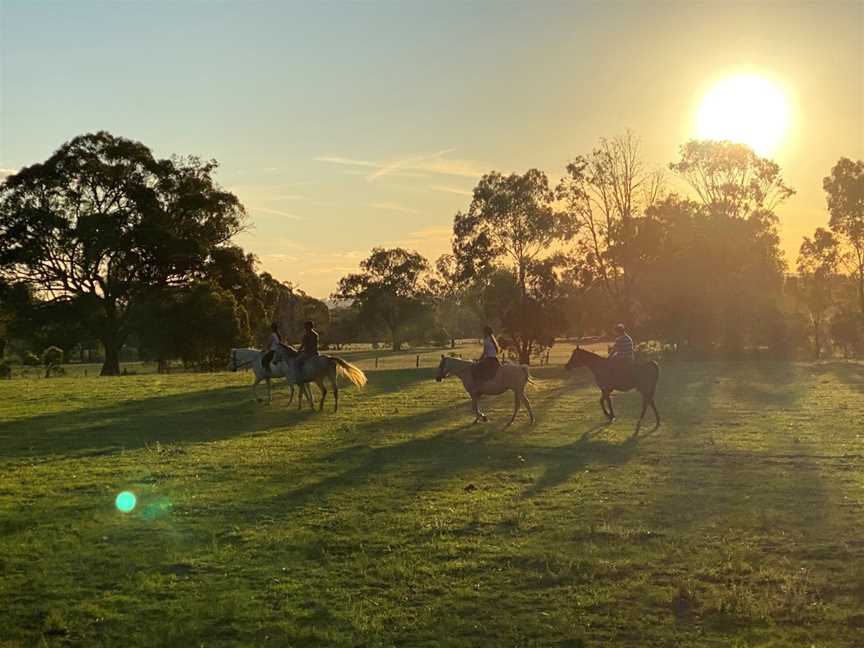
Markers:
{"x": 376, "y": 362}
{"x": 418, "y": 362}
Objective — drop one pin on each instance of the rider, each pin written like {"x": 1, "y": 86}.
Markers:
{"x": 486, "y": 368}
{"x": 622, "y": 350}
{"x": 308, "y": 349}
{"x": 273, "y": 343}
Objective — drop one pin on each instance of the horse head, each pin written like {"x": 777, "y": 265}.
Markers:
{"x": 577, "y": 358}
{"x": 443, "y": 372}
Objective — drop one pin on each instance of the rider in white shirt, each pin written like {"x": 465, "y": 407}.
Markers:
{"x": 488, "y": 364}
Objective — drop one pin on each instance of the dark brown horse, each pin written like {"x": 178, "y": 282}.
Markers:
{"x": 614, "y": 375}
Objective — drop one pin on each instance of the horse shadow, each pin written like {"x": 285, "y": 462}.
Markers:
{"x": 196, "y": 417}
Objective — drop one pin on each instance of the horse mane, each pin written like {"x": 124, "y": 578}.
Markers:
{"x": 291, "y": 350}
{"x": 588, "y": 353}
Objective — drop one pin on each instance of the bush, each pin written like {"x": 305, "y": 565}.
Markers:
{"x": 5, "y": 370}
{"x": 649, "y": 350}
{"x": 30, "y": 359}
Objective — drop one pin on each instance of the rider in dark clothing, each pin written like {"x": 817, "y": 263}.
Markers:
{"x": 308, "y": 349}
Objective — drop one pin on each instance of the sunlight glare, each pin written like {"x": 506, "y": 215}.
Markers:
{"x": 747, "y": 109}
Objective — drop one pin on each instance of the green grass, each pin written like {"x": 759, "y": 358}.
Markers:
{"x": 740, "y": 522}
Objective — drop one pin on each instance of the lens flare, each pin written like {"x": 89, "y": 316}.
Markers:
{"x": 125, "y": 501}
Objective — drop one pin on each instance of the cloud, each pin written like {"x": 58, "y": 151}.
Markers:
{"x": 394, "y": 207}
{"x": 453, "y": 190}
{"x": 428, "y": 241}
{"x": 274, "y": 212}
{"x": 279, "y": 257}
{"x": 266, "y": 193}
{"x": 436, "y": 163}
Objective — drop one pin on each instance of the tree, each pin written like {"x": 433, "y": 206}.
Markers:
{"x": 845, "y": 189}
{"x": 818, "y": 261}
{"x": 511, "y": 219}
{"x": 233, "y": 270}
{"x": 389, "y": 291}
{"x": 607, "y": 193}
{"x": 731, "y": 179}
{"x": 847, "y": 326}
{"x": 729, "y": 244}
{"x": 104, "y": 220}
{"x": 344, "y": 326}
{"x": 447, "y": 290}
{"x": 198, "y": 323}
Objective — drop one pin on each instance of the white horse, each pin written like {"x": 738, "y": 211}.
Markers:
{"x": 281, "y": 366}
{"x": 509, "y": 376}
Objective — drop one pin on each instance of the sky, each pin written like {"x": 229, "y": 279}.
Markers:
{"x": 343, "y": 126}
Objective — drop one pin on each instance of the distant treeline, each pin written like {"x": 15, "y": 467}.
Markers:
{"x": 104, "y": 248}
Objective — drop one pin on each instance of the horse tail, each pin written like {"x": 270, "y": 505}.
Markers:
{"x": 352, "y": 373}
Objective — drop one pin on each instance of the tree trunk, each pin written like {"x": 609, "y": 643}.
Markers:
{"x": 111, "y": 366}
{"x": 452, "y": 342}
{"x": 861, "y": 289}
{"x": 522, "y": 343}
{"x": 817, "y": 343}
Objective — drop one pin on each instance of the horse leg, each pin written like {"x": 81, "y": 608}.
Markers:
{"x": 611, "y": 411}
{"x": 642, "y": 415}
{"x": 475, "y": 403}
{"x": 320, "y": 383}
{"x": 269, "y": 392}
{"x": 656, "y": 414}
{"x": 603, "y": 405}
{"x": 335, "y": 385}
{"x": 528, "y": 405}
{"x": 516, "y": 405}
{"x": 309, "y": 395}
{"x": 290, "y": 393}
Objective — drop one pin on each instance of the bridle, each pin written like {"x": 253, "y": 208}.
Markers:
{"x": 234, "y": 365}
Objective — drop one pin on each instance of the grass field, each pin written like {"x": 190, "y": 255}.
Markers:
{"x": 740, "y": 522}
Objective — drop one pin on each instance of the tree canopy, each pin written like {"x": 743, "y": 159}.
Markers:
{"x": 390, "y": 290}
{"x": 104, "y": 221}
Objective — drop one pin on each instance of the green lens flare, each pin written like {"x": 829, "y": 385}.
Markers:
{"x": 125, "y": 501}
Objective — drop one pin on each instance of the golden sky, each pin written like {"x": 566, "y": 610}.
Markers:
{"x": 343, "y": 126}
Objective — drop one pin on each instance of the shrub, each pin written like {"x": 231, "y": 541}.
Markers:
{"x": 30, "y": 359}
{"x": 649, "y": 350}
{"x": 5, "y": 370}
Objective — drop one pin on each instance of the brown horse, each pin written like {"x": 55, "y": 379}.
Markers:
{"x": 613, "y": 375}
{"x": 513, "y": 377}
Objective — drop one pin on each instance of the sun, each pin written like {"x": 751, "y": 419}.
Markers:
{"x": 747, "y": 109}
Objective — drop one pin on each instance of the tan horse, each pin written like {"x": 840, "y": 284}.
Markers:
{"x": 317, "y": 368}
{"x": 513, "y": 377}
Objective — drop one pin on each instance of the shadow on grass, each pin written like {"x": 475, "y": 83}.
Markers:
{"x": 195, "y": 417}
{"x": 849, "y": 372}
